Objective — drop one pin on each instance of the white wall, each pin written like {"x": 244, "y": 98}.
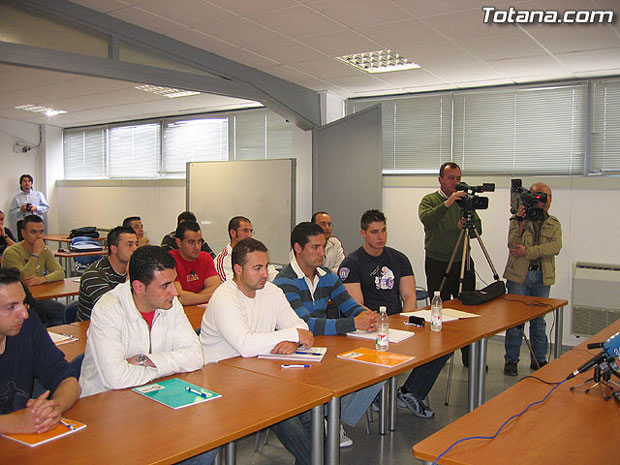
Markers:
{"x": 585, "y": 207}
{"x": 15, "y": 164}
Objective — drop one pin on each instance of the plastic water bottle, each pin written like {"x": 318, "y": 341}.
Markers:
{"x": 383, "y": 330}
{"x": 436, "y": 309}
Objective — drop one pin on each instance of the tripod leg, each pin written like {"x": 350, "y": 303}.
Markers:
{"x": 486, "y": 254}
{"x": 464, "y": 261}
{"x": 529, "y": 346}
{"x": 451, "y": 262}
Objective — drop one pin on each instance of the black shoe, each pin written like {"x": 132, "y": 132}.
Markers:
{"x": 533, "y": 365}
{"x": 510, "y": 369}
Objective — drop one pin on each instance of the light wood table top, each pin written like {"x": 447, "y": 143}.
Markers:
{"x": 125, "y": 427}
{"x": 570, "y": 427}
{"x": 63, "y": 288}
{"x": 70, "y": 254}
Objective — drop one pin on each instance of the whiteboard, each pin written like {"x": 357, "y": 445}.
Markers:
{"x": 261, "y": 190}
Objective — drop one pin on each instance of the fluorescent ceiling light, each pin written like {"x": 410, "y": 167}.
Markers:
{"x": 166, "y": 91}
{"x": 40, "y": 109}
{"x": 379, "y": 61}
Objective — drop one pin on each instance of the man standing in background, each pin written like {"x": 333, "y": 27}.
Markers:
{"x": 27, "y": 202}
{"x": 334, "y": 252}
{"x": 443, "y": 220}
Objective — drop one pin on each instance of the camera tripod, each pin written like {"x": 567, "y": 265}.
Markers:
{"x": 602, "y": 379}
{"x": 464, "y": 237}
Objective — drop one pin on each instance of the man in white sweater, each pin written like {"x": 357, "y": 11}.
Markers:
{"x": 248, "y": 316}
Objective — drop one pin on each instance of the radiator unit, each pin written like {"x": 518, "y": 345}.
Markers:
{"x": 595, "y": 297}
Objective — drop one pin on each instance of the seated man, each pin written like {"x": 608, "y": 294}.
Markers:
{"x": 27, "y": 353}
{"x": 377, "y": 275}
{"x": 105, "y": 274}
{"x": 239, "y": 227}
{"x": 309, "y": 288}
{"x": 169, "y": 240}
{"x": 135, "y": 223}
{"x": 37, "y": 265}
{"x": 119, "y": 352}
{"x": 6, "y": 236}
{"x": 248, "y": 316}
{"x": 334, "y": 252}
{"x": 196, "y": 275}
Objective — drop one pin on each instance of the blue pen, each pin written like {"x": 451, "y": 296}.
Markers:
{"x": 295, "y": 366}
{"x": 301, "y": 352}
{"x": 68, "y": 425}
{"x": 198, "y": 393}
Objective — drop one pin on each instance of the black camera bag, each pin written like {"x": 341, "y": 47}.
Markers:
{"x": 492, "y": 291}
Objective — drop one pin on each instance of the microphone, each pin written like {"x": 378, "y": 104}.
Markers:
{"x": 610, "y": 350}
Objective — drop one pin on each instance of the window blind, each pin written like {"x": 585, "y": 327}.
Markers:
{"x": 84, "y": 154}
{"x": 605, "y": 138}
{"x": 134, "y": 151}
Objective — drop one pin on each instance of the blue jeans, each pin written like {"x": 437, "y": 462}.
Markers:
{"x": 206, "y": 458}
{"x": 422, "y": 378}
{"x": 532, "y": 286}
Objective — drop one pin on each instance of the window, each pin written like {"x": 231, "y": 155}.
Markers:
{"x": 162, "y": 148}
{"x": 605, "y": 139}
{"x": 511, "y": 130}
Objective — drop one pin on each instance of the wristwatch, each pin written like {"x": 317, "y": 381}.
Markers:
{"x": 141, "y": 359}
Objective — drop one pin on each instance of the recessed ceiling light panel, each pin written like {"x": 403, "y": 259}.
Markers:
{"x": 40, "y": 109}
{"x": 166, "y": 91}
{"x": 379, "y": 61}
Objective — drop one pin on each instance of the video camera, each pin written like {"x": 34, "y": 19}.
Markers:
{"x": 471, "y": 201}
{"x": 521, "y": 196}
{"x": 29, "y": 207}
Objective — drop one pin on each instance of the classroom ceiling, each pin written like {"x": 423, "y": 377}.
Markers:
{"x": 298, "y": 40}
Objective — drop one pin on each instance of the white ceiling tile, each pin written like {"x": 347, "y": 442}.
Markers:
{"x": 572, "y": 38}
{"x": 529, "y": 66}
{"x": 594, "y": 60}
{"x": 247, "y": 57}
{"x": 15, "y": 78}
{"x": 298, "y": 21}
{"x": 401, "y": 34}
{"x": 354, "y": 13}
{"x": 286, "y": 52}
{"x": 327, "y": 69}
{"x": 465, "y": 25}
{"x": 146, "y": 20}
{"x": 341, "y": 43}
{"x": 187, "y": 12}
{"x": 252, "y": 7}
{"x": 240, "y": 32}
{"x": 438, "y": 7}
{"x": 289, "y": 74}
{"x": 512, "y": 45}
{"x": 358, "y": 83}
{"x": 197, "y": 39}
{"x": 410, "y": 78}
{"x": 483, "y": 83}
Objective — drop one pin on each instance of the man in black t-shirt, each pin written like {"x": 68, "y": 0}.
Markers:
{"x": 377, "y": 275}
{"x": 27, "y": 353}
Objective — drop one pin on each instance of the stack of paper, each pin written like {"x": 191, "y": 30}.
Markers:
{"x": 60, "y": 338}
{"x": 176, "y": 393}
{"x": 64, "y": 428}
{"x": 395, "y": 335}
{"x": 312, "y": 354}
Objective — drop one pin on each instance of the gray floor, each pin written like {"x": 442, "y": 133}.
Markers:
{"x": 396, "y": 447}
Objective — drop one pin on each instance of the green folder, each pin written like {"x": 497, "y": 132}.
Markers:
{"x": 174, "y": 393}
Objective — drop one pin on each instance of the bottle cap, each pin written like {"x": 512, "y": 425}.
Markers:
{"x": 437, "y": 293}
{"x": 382, "y": 308}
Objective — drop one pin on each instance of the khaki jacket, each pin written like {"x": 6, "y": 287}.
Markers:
{"x": 550, "y": 246}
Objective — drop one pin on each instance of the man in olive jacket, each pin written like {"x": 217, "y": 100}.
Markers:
{"x": 533, "y": 245}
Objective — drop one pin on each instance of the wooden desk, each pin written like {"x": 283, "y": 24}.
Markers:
{"x": 124, "y": 427}
{"x": 67, "y": 258}
{"x": 570, "y": 427}
{"x": 63, "y": 288}
{"x": 194, "y": 314}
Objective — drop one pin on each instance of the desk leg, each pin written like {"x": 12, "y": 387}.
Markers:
{"x": 333, "y": 431}
{"x": 472, "y": 382}
{"x": 318, "y": 432}
{"x": 482, "y": 365}
{"x": 231, "y": 453}
{"x": 218, "y": 457}
{"x": 559, "y": 328}
{"x": 392, "y": 424}
{"x": 383, "y": 412}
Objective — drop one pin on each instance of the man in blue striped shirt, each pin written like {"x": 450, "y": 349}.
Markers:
{"x": 316, "y": 294}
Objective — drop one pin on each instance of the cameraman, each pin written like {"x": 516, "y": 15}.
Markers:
{"x": 531, "y": 271}
{"x": 27, "y": 202}
{"x": 443, "y": 220}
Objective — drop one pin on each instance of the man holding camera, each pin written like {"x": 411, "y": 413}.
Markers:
{"x": 534, "y": 238}
{"x": 27, "y": 202}
{"x": 443, "y": 220}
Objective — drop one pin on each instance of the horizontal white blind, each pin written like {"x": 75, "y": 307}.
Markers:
{"x": 84, "y": 154}
{"x": 605, "y": 139}
{"x": 520, "y": 131}
{"x": 279, "y": 136}
{"x": 194, "y": 140}
{"x": 134, "y": 151}
{"x": 250, "y": 128}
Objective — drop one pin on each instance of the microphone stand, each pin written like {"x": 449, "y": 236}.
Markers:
{"x": 602, "y": 378}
